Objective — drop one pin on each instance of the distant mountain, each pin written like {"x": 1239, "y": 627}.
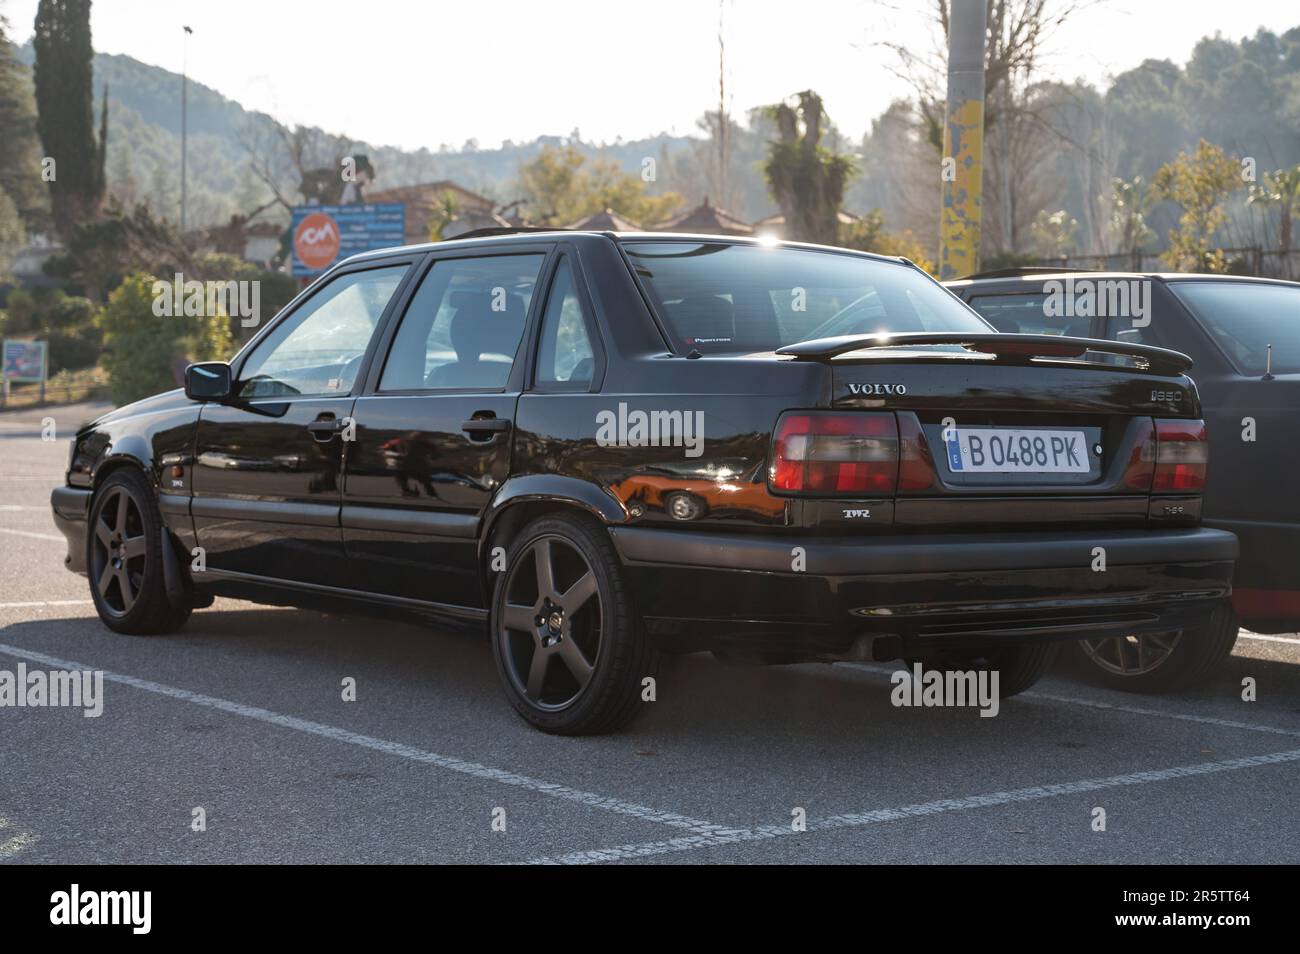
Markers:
{"x": 144, "y": 150}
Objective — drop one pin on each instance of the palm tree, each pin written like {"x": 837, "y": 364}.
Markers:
{"x": 1282, "y": 189}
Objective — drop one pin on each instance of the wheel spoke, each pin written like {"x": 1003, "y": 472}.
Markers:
{"x": 123, "y": 502}
{"x": 106, "y": 577}
{"x": 577, "y": 595}
{"x": 545, "y": 569}
{"x": 128, "y": 590}
{"x": 519, "y": 617}
{"x": 133, "y": 547}
{"x": 103, "y": 532}
{"x": 576, "y": 660}
{"x": 537, "y": 673}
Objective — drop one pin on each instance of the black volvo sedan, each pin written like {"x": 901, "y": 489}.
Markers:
{"x": 605, "y": 447}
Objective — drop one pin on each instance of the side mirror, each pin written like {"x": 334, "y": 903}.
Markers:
{"x": 209, "y": 381}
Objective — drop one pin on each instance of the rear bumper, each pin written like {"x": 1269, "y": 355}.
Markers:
{"x": 71, "y": 506}
{"x": 715, "y": 590}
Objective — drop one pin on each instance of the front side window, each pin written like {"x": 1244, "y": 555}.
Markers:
{"x": 565, "y": 360}
{"x": 318, "y": 349}
{"x": 1245, "y": 318}
{"x": 716, "y": 297}
{"x": 464, "y": 325}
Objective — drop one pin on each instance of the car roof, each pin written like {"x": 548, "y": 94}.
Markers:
{"x": 526, "y": 236}
{"x": 1040, "y": 275}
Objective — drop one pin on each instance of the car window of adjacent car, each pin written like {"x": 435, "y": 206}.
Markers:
{"x": 718, "y": 297}
{"x": 1026, "y": 313}
{"x": 1245, "y": 318}
{"x": 463, "y": 327}
{"x": 318, "y": 349}
{"x": 564, "y": 361}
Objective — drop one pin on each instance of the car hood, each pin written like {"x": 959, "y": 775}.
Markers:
{"x": 168, "y": 400}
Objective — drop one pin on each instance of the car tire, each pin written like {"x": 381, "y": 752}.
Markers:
{"x": 1184, "y": 659}
{"x": 1018, "y": 667}
{"x": 124, "y": 558}
{"x": 578, "y": 614}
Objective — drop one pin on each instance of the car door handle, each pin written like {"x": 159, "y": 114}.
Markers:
{"x": 485, "y": 428}
{"x": 323, "y": 430}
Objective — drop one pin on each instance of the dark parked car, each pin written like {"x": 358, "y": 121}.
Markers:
{"x": 490, "y": 430}
{"x": 1244, "y": 336}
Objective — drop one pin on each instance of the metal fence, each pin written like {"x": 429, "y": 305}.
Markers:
{"x": 1244, "y": 260}
{"x": 43, "y": 395}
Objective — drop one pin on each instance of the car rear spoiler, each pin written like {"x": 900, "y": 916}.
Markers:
{"x": 1013, "y": 348}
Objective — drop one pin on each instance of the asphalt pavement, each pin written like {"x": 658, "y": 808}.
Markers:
{"x": 240, "y": 721}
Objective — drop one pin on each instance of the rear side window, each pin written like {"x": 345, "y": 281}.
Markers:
{"x": 716, "y": 297}
{"x": 564, "y": 361}
{"x": 1245, "y": 318}
{"x": 463, "y": 327}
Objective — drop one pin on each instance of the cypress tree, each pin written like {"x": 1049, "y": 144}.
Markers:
{"x": 65, "y": 105}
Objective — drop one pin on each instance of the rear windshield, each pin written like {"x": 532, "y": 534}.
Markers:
{"x": 1245, "y": 318}
{"x": 715, "y": 297}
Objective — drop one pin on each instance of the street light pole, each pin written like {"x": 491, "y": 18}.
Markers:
{"x": 185, "y": 50}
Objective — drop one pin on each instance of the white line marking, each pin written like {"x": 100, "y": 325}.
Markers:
{"x": 1117, "y": 707}
{"x": 34, "y": 536}
{"x": 588, "y": 799}
{"x": 7, "y": 508}
{"x": 939, "y": 807}
{"x": 1270, "y": 639}
{"x": 35, "y": 603}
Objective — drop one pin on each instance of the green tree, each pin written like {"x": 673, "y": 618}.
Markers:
{"x": 66, "y": 111}
{"x": 1280, "y": 188}
{"x": 805, "y": 178}
{"x": 20, "y": 169}
{"x": 67, "y": 322}
{"x": 869, "y": 234}
{"x": 12, "y": 234}
{"x": 561, "y": 185}
{"x": 143, "y": 350}
{"x": 1198, "y": 184}
{"x": 1054, "y": 233}
{"x": 1130, "y": 204}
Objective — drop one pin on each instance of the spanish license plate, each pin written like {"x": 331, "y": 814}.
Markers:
{"x": 1005, "y": 450}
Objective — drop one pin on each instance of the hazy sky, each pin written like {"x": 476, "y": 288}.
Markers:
{"x": 423, "y": 72}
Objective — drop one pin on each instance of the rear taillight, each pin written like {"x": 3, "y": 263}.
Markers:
{"x": 1142, "y": 462}
{"x": 836, "y": 454}
{"x": 1182, "y": 455}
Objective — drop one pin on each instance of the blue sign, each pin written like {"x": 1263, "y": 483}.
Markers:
{"x": 24, "y": 361}
{"x": 324, "y": 235}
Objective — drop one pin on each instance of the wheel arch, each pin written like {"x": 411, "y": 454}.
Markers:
{"x": 523, "y": 499}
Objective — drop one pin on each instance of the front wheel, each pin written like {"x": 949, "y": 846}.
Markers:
{"x": 124, "y": 558}
{"x": 569, "y": 649}
{"x": 1161, "y": 662}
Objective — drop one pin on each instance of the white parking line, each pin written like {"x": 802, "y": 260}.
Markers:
{"x": 587, "y": 799}
{"x": 32, "y": 604}
{"x": 877, "y": 670}
{"x": 1270, "y": 639}
{"x": 34, "y": 536}
{"x": 942, "y": 806}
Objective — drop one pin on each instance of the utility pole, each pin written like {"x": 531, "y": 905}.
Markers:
{"x": 963, "y": 142}
{"x": 185, "y": 51}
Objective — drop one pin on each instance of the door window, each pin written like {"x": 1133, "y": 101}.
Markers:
{"x": 318, "y": 349}
{"x": 464, "y": 325}
{"x": 565, "y": 361}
